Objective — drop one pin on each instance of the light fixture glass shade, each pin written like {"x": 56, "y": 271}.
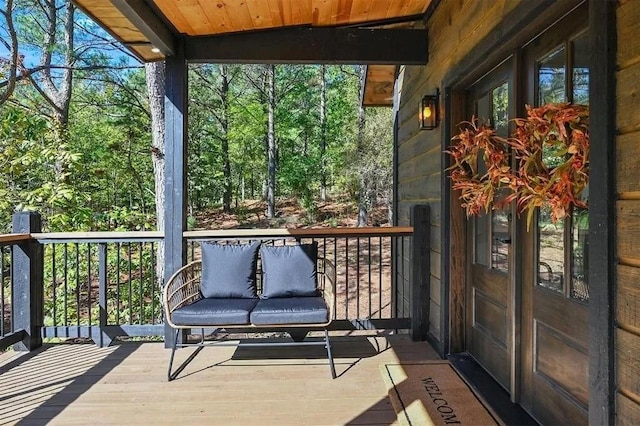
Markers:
{"x": 429, "y": 111}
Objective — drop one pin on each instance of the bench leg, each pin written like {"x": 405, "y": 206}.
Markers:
{"x": 328, "y": 346}
{"x": 190, "y": 358}
{"x": 173, "y": 352}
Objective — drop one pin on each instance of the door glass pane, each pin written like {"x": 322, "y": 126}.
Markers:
{"x": 580, "y": 254}
{"x": 482, "y": 227}
{"x": 500, "y": 236}
{"x": 580, "y": 217}
{"x": 501, "y": 240}
{"x": 483, "y": 110}
{"x": 500, "y": 109}
{"x": 550, "y": 252}
{"x": 481, "y": 243}
{"x": 551, "y": 88}
{"x": 580, "y": 72}
{"x": 552, "y": 71}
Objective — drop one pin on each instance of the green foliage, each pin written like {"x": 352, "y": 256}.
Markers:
{"x": 71, "y": 284}
{"x": 31, "y": 154}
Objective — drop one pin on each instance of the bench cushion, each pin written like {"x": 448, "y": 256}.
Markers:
{"x": 289, "y": 271}
{"x": 290, "y": 310}
{"x": 229, "y": 270}
{"x": 214, "y": 312}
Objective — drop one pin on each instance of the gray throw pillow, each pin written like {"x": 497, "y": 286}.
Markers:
{"x": 229, "y": 271}
{"x": 289, "y": 271}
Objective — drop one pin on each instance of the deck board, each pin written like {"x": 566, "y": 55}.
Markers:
{"x": 70, "y": 384}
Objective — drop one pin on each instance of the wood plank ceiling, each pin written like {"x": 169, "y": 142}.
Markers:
{"x": 207, "y": 17}
{"x": 215, "y": 17}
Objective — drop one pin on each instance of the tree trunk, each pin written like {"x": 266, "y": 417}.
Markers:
{"x": 363, "y": 185}
{"x": 323, "y": 132}
{"x": 57, "y": 89}
{"x": 14, "y": 61}
{"x": 271, "y": 143}
{"x": 224, "y": 121}
{"x": 156, "y": 90}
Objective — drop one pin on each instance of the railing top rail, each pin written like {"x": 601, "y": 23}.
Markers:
{"x": 149, "y": 236}
{"x": 6, "y": 239}
{"x": 301, "y": 233}
{"x": 98, "y": 237}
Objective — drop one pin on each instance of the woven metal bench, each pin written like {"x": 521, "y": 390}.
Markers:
{"x": 186, "y": 308}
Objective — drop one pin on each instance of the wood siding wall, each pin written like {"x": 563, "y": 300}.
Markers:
{"x": 454, "y": 29}
{"x": 628, "y": 214}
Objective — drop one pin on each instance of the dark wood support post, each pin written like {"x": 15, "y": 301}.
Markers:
{"x": 103, "y": 337}
{"x": 420, "y": 272}
{"x": 175, "y": 190}
{"x": 27, "y": 273}
{"x": 602, "y": 218}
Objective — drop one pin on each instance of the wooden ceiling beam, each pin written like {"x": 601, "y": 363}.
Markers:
{"x": 312, "y": 46}
{"x": 148, "y": 23}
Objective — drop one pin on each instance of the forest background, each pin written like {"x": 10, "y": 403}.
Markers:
{"x": 81, "y": 133}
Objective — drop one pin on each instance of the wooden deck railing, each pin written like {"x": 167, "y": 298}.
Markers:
{"x": 102, "y": 285}
{"x": 365, "y": 296}
{"x": 11, "y": 331}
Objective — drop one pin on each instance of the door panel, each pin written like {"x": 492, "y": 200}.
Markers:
{"x": 489, "y": 318}
{"x": 555, "y": 380}
{"x": 551, "y": 346}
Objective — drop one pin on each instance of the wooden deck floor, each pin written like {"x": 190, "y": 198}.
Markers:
{"x": 126, "y": 384}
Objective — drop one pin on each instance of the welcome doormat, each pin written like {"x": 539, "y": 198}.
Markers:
{"x": 433, "y": 394}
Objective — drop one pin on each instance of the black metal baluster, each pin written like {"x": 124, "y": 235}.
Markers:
{"x": 358, "y": 277}
{"x": 401, "y": 296}
{"x": 118, "y": 301}
{"x": 346, "y": 278}
{"x": 324, "y": 256}
{"x": 153, "y": 282}
{"x": 130, "y": 305}
{"x": 77, "y": 287}
{"x": 140, "y": 270}
{"x": 335, "y": 265}
{"x": 53, "y": 284}
{"x": 380, "y": 252}
{"x": 89, "y": 282}
{"x": 66, "y": 284}
{"x": 369, "y": 267}
{"x": 2, "y": 301}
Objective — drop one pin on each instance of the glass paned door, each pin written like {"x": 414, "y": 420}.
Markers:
{"x": 489, "y": 312}
{"x": 554, "y": 381}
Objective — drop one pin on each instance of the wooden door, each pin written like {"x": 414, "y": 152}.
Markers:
{"x": 489, "y": 314}
{"x": 555, "y": 293}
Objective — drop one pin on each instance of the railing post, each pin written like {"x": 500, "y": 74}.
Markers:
{"x": 420, "y": 272}
{"x": 103, "y": 338}
{"x": 27, "y": 272}
{"x": 175, "y": 190}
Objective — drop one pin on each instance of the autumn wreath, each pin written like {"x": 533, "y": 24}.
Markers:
{"x": 476, "y": 144}
{"x": 551, "y": 148}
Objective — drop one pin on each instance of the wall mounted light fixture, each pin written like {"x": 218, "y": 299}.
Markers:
{"x": 429, "y": 116}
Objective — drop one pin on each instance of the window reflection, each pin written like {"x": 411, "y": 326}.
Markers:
{"x": 491, "y": 231}
{"x": 580, "y": 254}
{"x": 552, "y": 71}
{"x": 482, "y": 240}
{"x": 580, "y": 72}
{"x": 550, "y": 251}
{"x": 552, "y": 88}
{"x": 501, "y": 240}
{"x": 500, "y": 109}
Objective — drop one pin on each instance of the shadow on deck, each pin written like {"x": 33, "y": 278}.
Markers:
{"x": 126, "y": 383}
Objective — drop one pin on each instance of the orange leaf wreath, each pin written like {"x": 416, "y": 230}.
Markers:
{"x": 478, "y": 191}
{"x": 551, "y": 148}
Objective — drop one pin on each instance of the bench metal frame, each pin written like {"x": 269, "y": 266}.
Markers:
{"x": 183, "y": 288}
